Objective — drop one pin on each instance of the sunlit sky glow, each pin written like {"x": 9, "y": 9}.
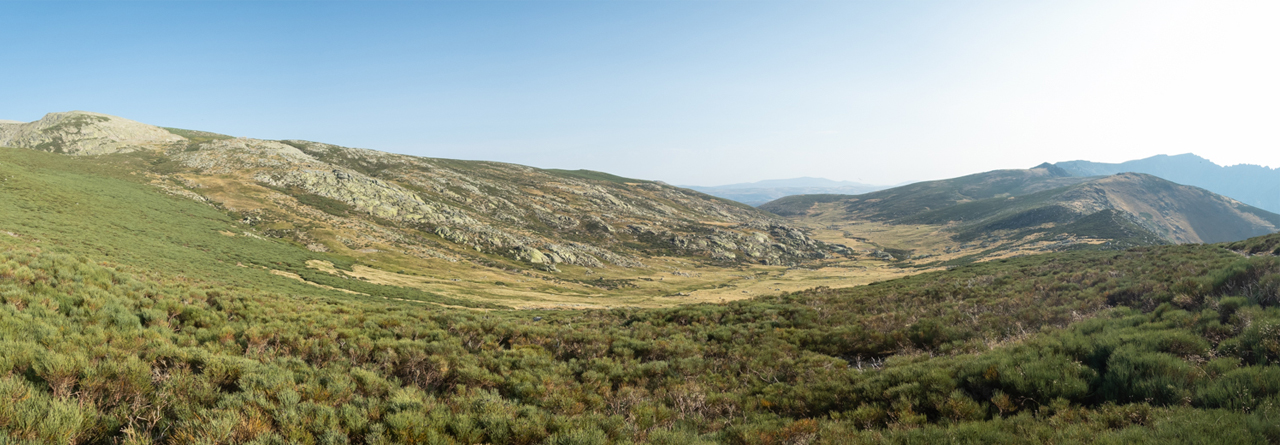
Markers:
{"x": 692, "y": 92}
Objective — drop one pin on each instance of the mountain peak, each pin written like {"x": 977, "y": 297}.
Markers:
{"x": 85, "y": 133}
{"x": 1054, "y": 170}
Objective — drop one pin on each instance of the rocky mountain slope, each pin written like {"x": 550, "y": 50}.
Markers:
{"x": 347, "y": 200}
{"x": 1252, "y": 184}
{"x": 1174, "y": 213}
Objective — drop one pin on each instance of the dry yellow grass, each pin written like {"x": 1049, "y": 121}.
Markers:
{"x": 299, "y": 278}
{"x": 665, "y": 282}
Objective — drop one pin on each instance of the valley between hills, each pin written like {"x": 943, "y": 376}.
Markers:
{"x": 493, "y": 234}
{"x": 163, "y": 285}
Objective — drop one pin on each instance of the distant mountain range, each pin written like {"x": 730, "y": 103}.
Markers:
{"x": 760, "y": 192}
{"x": 1251, "y": 184}
{"x": 1047, "y": 201}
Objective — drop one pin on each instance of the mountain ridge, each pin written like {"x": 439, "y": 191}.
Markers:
{"x": 1255, "y": 185}
{"x": 1034, "y": 210}
{"x": 442, "y": 208}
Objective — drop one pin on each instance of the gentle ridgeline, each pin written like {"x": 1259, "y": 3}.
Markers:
{"x": 332, "y": 198}
{"x": 1255, "y": 185}
{"x": 1169, "y": 344}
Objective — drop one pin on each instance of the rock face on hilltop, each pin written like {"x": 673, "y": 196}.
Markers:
{"x": 84, "y": 133}
{"x": 331, "y": 197}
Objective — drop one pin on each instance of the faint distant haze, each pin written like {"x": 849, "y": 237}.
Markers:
{"x": 684, "y": 92}
{"x": 760, "y": 192}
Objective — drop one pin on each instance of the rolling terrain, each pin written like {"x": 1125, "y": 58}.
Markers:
{"x": 1021, "y": 211}
{"x": 225, "y": 290}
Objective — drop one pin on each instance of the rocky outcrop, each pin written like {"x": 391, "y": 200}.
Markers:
{"x": 240, "y": 154}
{"x": 85, "y": 133}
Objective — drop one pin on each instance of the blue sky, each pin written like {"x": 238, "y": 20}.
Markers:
{"x": 689, "y": 92}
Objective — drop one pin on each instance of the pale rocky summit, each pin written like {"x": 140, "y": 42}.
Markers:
{"x": 85, "y": 133}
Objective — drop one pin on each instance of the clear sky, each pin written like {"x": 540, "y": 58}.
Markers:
{"x": 689, "y": 92}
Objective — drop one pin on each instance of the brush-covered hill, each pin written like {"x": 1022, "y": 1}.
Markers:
{"x": 1042, "y": 204}
{"x": 1255, "y": 185}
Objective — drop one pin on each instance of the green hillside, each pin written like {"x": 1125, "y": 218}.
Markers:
{"x": 1156, "y": 345}
{"x": 911, "y": 199}
{"x": 104, "y": 207}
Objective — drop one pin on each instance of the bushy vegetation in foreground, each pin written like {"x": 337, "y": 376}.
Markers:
{"x": 1156, "y": 345}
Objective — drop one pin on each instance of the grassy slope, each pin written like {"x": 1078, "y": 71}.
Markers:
{"x": 83, "y": 206}
{"x": 1173, "y": 343}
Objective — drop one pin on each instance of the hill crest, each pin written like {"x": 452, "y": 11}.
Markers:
{"x": 85, "y": 133}
{"x": 334, "y": 198}
{"x": 1255, "y": 185}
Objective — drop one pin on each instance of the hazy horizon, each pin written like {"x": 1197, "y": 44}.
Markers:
{"x": 699, "y": 93}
